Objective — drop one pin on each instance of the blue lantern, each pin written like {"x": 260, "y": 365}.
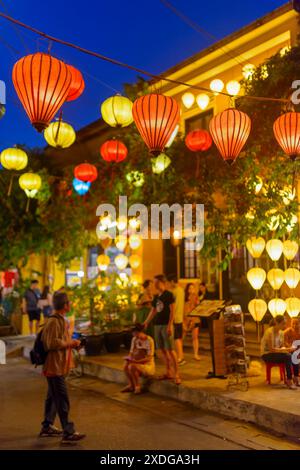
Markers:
{"x": 81, "y": 187}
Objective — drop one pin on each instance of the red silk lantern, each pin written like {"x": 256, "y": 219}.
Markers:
{"x": 113, "y": 151}
{"x": 156, "y": 117}
{"x": 86, "y": 172}
{"x": 198, "y": 140}
{"x": 230, "y": 131}
{"x": 77, "y": 84}
{"x": 287, "y": 133}
{"x": 42, "y": 83}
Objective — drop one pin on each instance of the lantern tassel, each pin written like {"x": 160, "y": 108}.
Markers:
{"x": 197, "y": 164}
{"x": 10, "y": 185}
{"x": 27, "y": 205}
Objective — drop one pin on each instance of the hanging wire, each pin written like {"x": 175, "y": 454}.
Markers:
{"x": 19, "y": 34}
{"x": 128, "y": 66}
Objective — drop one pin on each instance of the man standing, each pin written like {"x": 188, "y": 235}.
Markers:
{"x": 163, "y": 313}
{"x": 30, "y": 305}
{"x": 178, "y": 293}
{"x": 58, "y": 342}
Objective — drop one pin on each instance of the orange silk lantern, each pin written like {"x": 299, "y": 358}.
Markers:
{"x": 42, "y": 83}
{"x": 113, "y": 151}
{"x": 287, "y": 133}
{"x": 198, "y": 140}
{"x": 156, "y": 117}
{"x": 86, "y": 172}
{"x": 230, "y": 131}
{"x": 77, "y": 84}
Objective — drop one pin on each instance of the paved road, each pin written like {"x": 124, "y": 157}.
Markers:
{"x": 114, "y": 421}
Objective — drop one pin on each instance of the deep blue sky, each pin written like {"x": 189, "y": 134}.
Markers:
{"x": 141, "y": 32}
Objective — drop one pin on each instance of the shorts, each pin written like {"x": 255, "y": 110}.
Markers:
{"x": 147, "y": 370}
{"x": 162, "y": 339}
{"x": 178, "y": 330}
{"x": 34, "y": 314}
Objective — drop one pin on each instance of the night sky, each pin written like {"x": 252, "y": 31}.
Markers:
{"x": 143, "y": 33}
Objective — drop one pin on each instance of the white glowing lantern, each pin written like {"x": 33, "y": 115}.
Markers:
{"x": 135, "y": 241}
{"x": 293, "y": 306}
{"x": 290, "y": 249}
{"x": 121, "y": 261}
{"x": 277, "y": 307}
{"x": 188, "y": 99}
{"x": 292, "y": 277}
{"x": 122, "y": 223}
{"x": 257, "y": 308}
{"x": 121, "y": 242}
{"x": 202, "y": 101}
{"x": 256, "y": 277}
{"x": 274, "y": 249}
{"x": 216, "y": 85}
{"x": 233, "y": 87}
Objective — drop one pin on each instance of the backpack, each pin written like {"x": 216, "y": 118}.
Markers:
{"x": 38, "y": 354}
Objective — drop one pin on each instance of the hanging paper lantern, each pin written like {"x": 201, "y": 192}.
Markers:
{"x": 172, "y": 138}
{"x": 106, "y": 242}
{"x": 59, "y": 134}
{"x": 256, "y": 277}
{"x": 121, "y": 261}
{"x": 290, "y": 249}
{"x": 255, "y": 246}
{"x": 202, "y": 101}
{"x": 122, "y": 223}
{"x": 135, "y": 241}
{"x": 287, "y": 133}
{"x": 2, "y": 110}
{"x": 134, "y": 261}
{"x": 156, "y": 117}
{"x": 188, "y": 99}
{"x": 103, "y": 262}
{"x": 160, "y": 163}
{"x": 135, "y": 280}
{"x": 81, "y": 187}
{"x": 277, "y": 307}
{"x": 30, "y": 183}
{"x": 257, "y": 308}
{"x": 230, "y": 131}
{"x": 121, "y": 242}
{"x": 216, "y": 85}
{"x": 292, "y": 277}
{"x": 77, "y": 84}
{"x": 293, "y": 306}
{"x": 113, "y": 151}
{"x": 116, "y": 111}
{"x": 275, "y": 278}
{"x": 198, "y": 140}
{"x": 274, "y": 248}
{"x": 13, "y": 159}
{"x": 42, "y": 83}
{"x": 233, "y": 87}
{"x": 136, "y": 178}
{"x": 86, "y": 172}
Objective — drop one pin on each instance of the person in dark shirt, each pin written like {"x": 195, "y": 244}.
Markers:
{"x": 163, "y": 314}
{"x": 30, "y": 305}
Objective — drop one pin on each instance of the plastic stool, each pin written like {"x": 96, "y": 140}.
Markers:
{"x": 269, "y": 366}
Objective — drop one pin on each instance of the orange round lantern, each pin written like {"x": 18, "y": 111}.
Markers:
{"x": 156, "y": 117}
{"x": 77, "y": 84}
{"x": 113, "y": 151}
{"x": 198, "y": 140}
{"x": 42, "y": 83}
{"x": 86, "y": 172}
{"x": 287, "y": 133}
{"x": 230, "y": 131}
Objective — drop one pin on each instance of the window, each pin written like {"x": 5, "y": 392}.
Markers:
{"x": 200, "y": 121}
{"x": 191, "y": 266}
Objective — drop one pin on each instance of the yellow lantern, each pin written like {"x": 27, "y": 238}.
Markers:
{"x": 116, "y": 111}
{"x": 106, "y": 242}
{"x": 277, "y": 307}
{"x": 256, "y": 277}
{"x": 233, "y": 87}
{"x": 274, "y": 248}
{"x": 134, "y": 261}
{"x": 103, "y": 262}
{"x": 121, "y": 261}
{"x": 30, "y": 183}
{"x": 257, "y": 308}
{"x": 160, "y": 163}
{"x": 14, "y": 159}
{"x": 188, "y": 99}
{"x": 121, "y": 242}
{"x": 255, "y": 246}
{"x": 275, "y": 278}
{"x": 293, "y": 306}
{"x": 292, "y": 277}
{"x": 290, "y": 249}
{"x": 202, "y": 101}
{"x": 135, "y": 241}
{"x": 173, "y": 135}
{"x": 248, "y": 71}
{"x": 135, "y": 280}
{"x": 59, "y": 134}
{"x": 216, "y": 85}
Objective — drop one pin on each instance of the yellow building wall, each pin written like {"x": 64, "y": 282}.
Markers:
{"x": 152, "y": 256}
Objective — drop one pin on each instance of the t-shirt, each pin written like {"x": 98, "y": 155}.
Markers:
{"x": 162, "y": 305}
{"x": 277, "y": 341}
{"x": 32, "y": 296}
{"x": 178, "y": 293}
